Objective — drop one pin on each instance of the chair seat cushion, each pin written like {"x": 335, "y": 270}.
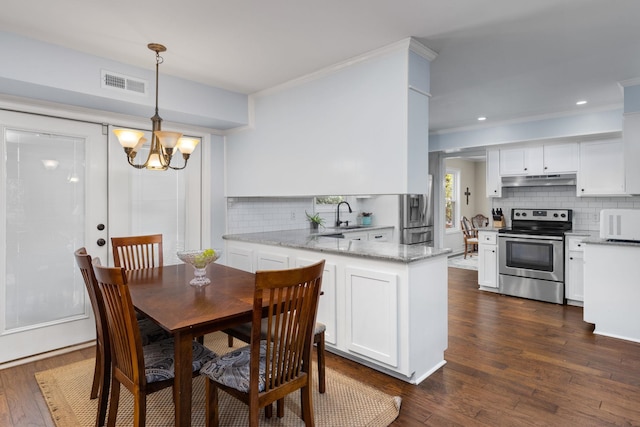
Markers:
{"x": 232, "y": 369}
{"x": 159, "y": 359}
{"x": 150, "y": 331}
{"x": 245, "y": 329}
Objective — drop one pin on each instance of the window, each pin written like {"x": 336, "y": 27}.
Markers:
{"x": 328, "y": 203}
{"x": 452, "y": 195}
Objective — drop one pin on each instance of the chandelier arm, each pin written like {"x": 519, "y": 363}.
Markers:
{"x": 142, "y": 166}
{"x": 186, "y": 159}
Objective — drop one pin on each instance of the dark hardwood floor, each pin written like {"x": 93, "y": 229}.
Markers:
{"x": 510, "y": 362}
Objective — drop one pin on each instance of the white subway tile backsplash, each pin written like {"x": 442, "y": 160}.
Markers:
{"x": 586, "y": 210}
{"x": 255, "y": 214}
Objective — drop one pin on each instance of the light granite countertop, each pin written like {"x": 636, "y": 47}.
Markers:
{"x": 315, "y": 241}
{"x": 594, "y": 240}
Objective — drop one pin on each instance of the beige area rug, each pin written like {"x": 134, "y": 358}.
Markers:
{"x": 346, "y": 402}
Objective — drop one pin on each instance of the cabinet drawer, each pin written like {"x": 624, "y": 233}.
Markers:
{"x": 488, "y": 238}
{"x": 575, "y": 244}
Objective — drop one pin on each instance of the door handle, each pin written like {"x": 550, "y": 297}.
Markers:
{"x": 101, "y": 242}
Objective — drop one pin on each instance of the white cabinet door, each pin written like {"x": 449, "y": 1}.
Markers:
{"x": 272, "y": 261}
{"x": 521, "y": 161}
{"x": 601, "y": 168}
{"x": 574, "y": 273}
{"x": 575, "y": 276}
{"x": 488, "y": 265}
{"x": 631, "y": 137}
{"x": 560, "y": 158}
{"x": 240, "y": 258}
{"x": 372, "y": 314}
{"x": 327, "y": 312}
{"x": 494, "y": 181}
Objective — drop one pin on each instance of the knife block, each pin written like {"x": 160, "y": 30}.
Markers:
{"x": 499, "y": 223}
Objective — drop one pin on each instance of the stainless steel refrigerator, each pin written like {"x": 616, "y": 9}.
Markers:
{"x": 416, "y": 217}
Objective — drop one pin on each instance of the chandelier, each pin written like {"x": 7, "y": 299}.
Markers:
{"x": 163, "y": 143}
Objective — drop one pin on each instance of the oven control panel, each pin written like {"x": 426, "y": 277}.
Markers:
{"x": 555, "y": 215}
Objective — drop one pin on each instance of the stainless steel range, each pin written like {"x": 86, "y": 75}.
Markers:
{"x": 531, "y": 254}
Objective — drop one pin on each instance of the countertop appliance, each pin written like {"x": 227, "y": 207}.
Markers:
{"x": 531, "y": 254}
{"x": 620, "y": 224}
{"x": 416, "y": 217}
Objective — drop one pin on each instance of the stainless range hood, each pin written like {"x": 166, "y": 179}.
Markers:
{"x": 538, "y": 180}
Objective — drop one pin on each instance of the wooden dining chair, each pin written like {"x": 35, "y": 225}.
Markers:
{"x": 141, "y": 369}
{"x": 267, "y": 370}
{"x": 149, "y": 332}
{"x": 479, "y": 221}
{"x": 243, "y": 333}
{"x": 470, "y": 236}
{"x": 137, "y": 252}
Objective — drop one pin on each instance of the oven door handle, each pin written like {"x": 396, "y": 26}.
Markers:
{"x": 530, "y": 236}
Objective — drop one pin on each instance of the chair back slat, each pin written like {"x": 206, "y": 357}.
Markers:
{"x": 292, "y": 299}
{"x": 83, "y": 259}
{"x": 137, "y": 252}
{"x": 124, "y": 333}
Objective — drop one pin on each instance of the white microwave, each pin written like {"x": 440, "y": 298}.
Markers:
{"x": 620, "y": 224}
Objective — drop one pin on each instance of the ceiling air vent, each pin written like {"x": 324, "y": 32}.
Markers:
{"x": 121, "y": 82}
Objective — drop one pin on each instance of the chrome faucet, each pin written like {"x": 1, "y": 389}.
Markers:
{"x": 338, "y": 222}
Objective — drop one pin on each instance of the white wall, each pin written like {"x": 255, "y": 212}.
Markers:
{"x": 38, "y": 70}
{"x": 343, "y": 132}
{"x": 469, "y": 173}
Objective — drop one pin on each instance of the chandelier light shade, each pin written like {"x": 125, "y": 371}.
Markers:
{"x": 163, "y": 143}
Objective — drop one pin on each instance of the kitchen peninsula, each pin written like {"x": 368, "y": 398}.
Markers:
{"x": 384, "y": 304}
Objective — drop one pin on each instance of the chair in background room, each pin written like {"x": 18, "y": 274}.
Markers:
{"x": 470, "y": 236}
{"x": 141, "y": 369}
{"x": 149, "y": 332}
{"x": 137, "y": 252}
{"x": 243, "y": 333}
{"x": 479, "y": 221}
{"x": 268, "y": 369}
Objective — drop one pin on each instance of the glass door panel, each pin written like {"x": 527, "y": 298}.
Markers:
{"x": 48, "y": 209}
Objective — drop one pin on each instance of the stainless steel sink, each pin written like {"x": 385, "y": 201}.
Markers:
{"x": 335, "y": 235}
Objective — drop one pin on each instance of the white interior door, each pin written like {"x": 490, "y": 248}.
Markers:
{"x": 53, "y": 198}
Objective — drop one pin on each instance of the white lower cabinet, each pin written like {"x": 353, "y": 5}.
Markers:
{"x": 327, "y": 313}
{"x": 488, "y": 260}
{"x": 390, "y": 316}
{"x": 272, "y": 261}
{"x": 372, "y": 314}
{"x": 240, "y": 258}
{"x": 385, "y": 235}
{"x": 574, "y": 270}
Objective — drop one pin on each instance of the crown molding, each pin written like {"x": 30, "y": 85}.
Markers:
{"x": 404, "y": 44}
{"x": 630, "y": 82}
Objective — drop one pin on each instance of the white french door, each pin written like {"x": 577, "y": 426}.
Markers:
{"x": 65, "y": 184}
{"x": 53, "y": 200}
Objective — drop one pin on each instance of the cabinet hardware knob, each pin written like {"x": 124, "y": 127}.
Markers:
{"x": 101, "y": 242}
{"x": 100, "y": 227}
{"x": 525, "y": 168}
{"x": 571, "y": 258}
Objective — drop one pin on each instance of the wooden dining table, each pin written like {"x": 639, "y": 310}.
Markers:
{"x": 187, "y": 312}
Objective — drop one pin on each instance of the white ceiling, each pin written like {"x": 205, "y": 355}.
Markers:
{"x": 504, "y": 59}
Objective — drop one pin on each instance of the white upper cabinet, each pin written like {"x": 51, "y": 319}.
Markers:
{"x": 601, "y": 168}
{"x": 561, "y": 158}
{"x": 539, "y": 160}
{"x": 521, "y": 161}
{"x": 494, "y": 181}
{"x": 631, "y": 137}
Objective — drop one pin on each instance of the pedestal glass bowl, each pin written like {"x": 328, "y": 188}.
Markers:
{"x": 199, "y": 259}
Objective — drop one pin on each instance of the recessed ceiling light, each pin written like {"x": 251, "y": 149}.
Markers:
{"x": 581, "y": 102}
{"x": 482, "y": 118}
